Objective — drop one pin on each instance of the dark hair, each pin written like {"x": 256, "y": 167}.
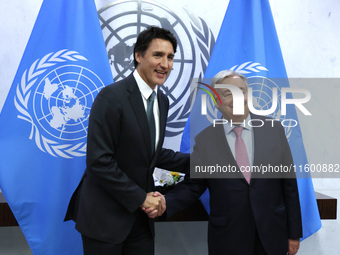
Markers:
{"x": 146, "y": 36}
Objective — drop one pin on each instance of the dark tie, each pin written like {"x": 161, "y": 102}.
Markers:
{"x": 151, "y": 120}
{"x": 241, "y": 154}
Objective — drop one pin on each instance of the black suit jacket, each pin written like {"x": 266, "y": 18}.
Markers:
{"x": 119, "y": 163}
{"x": 269, "y": 206}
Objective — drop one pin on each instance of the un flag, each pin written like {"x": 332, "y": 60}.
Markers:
{"x": 247, "y": 43}
{"x": 43, "y": 124}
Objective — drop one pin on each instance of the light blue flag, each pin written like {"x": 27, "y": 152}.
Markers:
{"x": 43, "y": 124}
{"x": 248, "y": 43}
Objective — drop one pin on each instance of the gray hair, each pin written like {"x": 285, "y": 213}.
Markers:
{"x": 226, "y": 74}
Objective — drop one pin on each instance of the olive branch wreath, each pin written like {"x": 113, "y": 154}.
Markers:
{"x": 205, "y": 41}
{"x": 23, "y": 93}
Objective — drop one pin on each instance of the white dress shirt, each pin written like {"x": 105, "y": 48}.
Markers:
{"x": 146, "y": 92}
{"x": 247, "y": 136}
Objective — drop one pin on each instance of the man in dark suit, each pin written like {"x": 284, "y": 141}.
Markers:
{"x": 125, "y": 137}
{"x": 251, "y": 212}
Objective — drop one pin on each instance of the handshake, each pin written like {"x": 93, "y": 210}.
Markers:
{"x": 154, "y": 204}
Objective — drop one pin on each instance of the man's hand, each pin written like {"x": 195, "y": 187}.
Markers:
{"x": 156, "y": 212}
{"x": 151, "y": 201}
{"x": 293, "y": 246}
{"x": 163, "y": 203}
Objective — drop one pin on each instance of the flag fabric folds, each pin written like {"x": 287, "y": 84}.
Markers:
{"x": 247, "y": 42}
{"x": 43, "y": 124}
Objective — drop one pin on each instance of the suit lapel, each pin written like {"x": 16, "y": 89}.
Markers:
{"x": 136, "y": 102}
{"x": 259, "y": 146}
{"x": 222, "y": 143}
{"x": 163, "y": 114}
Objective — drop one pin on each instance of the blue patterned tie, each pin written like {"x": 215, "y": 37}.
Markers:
{"x": 151, "y": 121}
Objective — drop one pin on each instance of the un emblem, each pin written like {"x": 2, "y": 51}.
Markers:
{"x": 55, "y": 96}
{"x": 122, "y": 21}
{"x": 263, "y": 90}
{"x": 263, "y": 98}
{"x": 262, "y": 93}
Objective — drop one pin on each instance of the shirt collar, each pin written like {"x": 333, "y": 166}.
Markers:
{"x": 228, "y": 128}
{"x": 144, "y": 88}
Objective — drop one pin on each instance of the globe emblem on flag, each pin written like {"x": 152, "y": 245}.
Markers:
{"x": 262, "y": 94}
{"x": 262, "y": 91}
{"x": 63, "y": 99}
{"x": 55, "y": 96}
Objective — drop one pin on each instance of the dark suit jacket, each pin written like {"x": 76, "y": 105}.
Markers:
{"x": 269, "y": 206}
{"x": 119, "y": 165}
